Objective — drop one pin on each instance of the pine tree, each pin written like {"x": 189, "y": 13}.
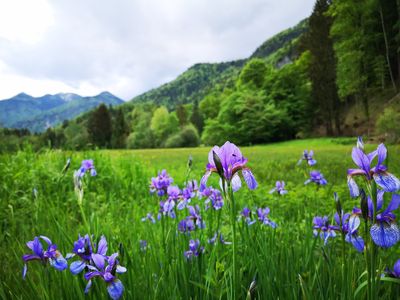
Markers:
{"x": 120, "y": 130}
{"x": 196, "y": 118}
{"x": 323, "y": 67}
{"x": 99, "y": 127}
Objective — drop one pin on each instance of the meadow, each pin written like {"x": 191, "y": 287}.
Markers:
{"x": 285, "y": 262}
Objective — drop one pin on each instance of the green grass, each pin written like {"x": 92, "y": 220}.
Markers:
{"x": 287, "y": 262}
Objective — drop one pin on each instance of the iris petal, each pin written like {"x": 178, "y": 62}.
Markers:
{"x": 388, "y": 182}
{"x": 88, "y": 286}
{"x": 115, "y": 289}
{"x": 236, "y": 182}
{"x": 396, "y": 268}
{"x": 249, "y": 178}
{"x": 102, "y": 247}
{"x": 59, "y": 263}
{"x": 385, "y": 235}
{"x": 98, "y": 259}
{"x": 203, "y": 181}
{"x": 77, "y": 266}
{"x": 353, "y": 187}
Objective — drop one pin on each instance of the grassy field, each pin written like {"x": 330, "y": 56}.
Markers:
{"x": 287, "y": 262}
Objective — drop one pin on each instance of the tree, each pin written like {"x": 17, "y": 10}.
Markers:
{"x": 120, "y": 130}
{"x": 163, "y": 124}
{"x": 182, "y": 115}
{"x": 196, "y": 118}
{"x": 323, "y": 67}
{"x": 99, "y": 127}
{"x": 253, "y": 73}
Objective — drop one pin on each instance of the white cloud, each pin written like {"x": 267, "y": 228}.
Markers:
{"x": 128, "y": 47}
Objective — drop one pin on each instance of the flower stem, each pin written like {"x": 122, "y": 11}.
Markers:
{"x": 234, "y": 245}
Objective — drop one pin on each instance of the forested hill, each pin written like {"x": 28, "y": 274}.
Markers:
{"x": 195, "y": 83}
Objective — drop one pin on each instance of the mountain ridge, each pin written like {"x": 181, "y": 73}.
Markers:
{"x": 37, "y": 113}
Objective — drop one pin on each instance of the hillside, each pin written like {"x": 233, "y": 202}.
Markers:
{"x": 198, "y": 80}
{"x": 37, "y": 113}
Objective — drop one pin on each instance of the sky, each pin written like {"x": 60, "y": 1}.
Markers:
{"x": 127, "y": 47}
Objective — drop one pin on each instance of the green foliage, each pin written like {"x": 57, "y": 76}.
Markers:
{"x": 388, "y": 124}
{"x": 120, "y": 130}
{"x": 99, "y": 127}
{"x": 187, "y": 137}
{"x": 163, "y": 124}
{"x": 196, "y": 117}
{"x": 253, "y": 73}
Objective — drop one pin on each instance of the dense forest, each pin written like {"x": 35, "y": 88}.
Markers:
{"x": 336, "y": 73}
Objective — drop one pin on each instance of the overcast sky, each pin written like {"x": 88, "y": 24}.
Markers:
{"x": 128, "y": 47}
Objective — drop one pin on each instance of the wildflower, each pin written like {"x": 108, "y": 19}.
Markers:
{"x": 396, "y": 270}
{"x": 107, "y": 273}
{"x": 349, "y": 227}
{"x": 323, "y": 228}
{"x": 245, "y": 214}
{"x": 51, "y": 255}
{"x": 149, "y": 217}
{"x": 387, "y": 181}
{"x": 213, "y": 240}
{"x": 194, "y": 249}
{"x": 87, "y": 165}
{"x": 186, "y": 225}
{"x": 385, "y": 233}
{"x": 216, "y": 199}
{"x": 317, "y": 177}
{"x": 262, "y": 214}
{"x": 227, "y": 161}
{"x": 279, "y": 188}
{"x": 84, "y": 249}
{"x": 143, "y": 245}
{"x": 188, "y": 193}
{"x": 194, "y": 212}
{"x": 160, "y": 183}
{"x": 308, "y": 157}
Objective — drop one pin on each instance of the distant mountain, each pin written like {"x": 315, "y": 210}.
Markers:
{"x": 37, "y": 113}
{"x": 196, "y": 82}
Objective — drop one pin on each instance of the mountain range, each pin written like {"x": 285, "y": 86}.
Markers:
{"x": 39, "y": 113}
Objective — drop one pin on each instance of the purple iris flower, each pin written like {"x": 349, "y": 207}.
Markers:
{"x": 385, "y": 233}
{"x": 107, "y": 273}
{"x": 216, "y": 199}
{"x": 188, "y": 193}
{"x": 317, "y": 178}
{"x": 213, "y": 240}
{"x": 149, "y": 217}
{"x": 51, "y": 255}
{"x": 87, "y": 165}
{"x": 194, "y": 212}
{"x": 160, "y": 183}
{"x": 387, "y": 181}
{"x": 245, "y": 215}
{"x": 194, "y": 249}
{"x": 262, "y": 214}
{"x": 396, "y": 270}
{"x": 279, "y": 188}
{"x": 232, "y": 161}
{"x": 308, "y": 157}
{"x": 350, "y": 224}
{"x": 83, "y": 248}
{"x": 323, "y": 228}
{"x": 186, "y": 225}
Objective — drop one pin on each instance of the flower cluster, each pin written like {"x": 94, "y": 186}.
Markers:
{"x": 160, "y": 183}
{"x": 94, "y": 261}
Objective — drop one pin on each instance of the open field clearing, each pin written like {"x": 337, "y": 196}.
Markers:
{"x": 273, "y": 255}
